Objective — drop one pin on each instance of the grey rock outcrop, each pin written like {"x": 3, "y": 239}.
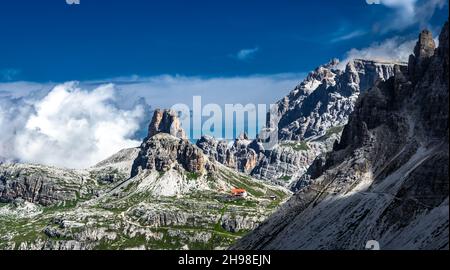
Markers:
{"x": 236, "y": 223}
{"x": 288, "y": 161}
{"x": 162, "y": 153}
{"x": 218, "y": 150}
{"x": 164, "y": 218}
{"x": 44, "y": 185}
{"x": 281, "y": 165}
{"x": 240, "y": 156}
{"x": 36, "y": 184}
{"x": 326, "y": 98}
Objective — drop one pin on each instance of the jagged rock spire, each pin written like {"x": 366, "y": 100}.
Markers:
{"x": 166, "y": 121}
{"x": 425, "y": 46}
{"x": 423, "y": 51}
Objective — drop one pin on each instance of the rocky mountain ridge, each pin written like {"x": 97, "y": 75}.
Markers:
{"x": 309, "y": 120}
{"x": 387, "y": 179}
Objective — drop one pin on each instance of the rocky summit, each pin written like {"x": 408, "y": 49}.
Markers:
{"x": 166, "y": 121}
{"x": 165, "y": 194}
{"x": 387, "y": 179}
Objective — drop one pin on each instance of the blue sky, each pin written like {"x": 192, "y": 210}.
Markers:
{"x": 49, "y": 40}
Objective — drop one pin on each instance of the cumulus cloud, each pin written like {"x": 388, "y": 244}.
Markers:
{"x": 391, "y": 50}
{"x": 246, "y": 54}
{"x": 409, "y": 12}
{"x": 14, "y": 113}
{"x": 69, "y": 127}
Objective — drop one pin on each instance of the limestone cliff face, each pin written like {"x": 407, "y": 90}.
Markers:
{"x": 44, "y": 185}
{"x": 289, "y": 161}
{"x": 387, "y": 180}
{"x": 309, "y": 121}
{"x": 281, "y": 165}
{"x": 326, "y": 98}
{"x": 162, "y": 153}
{"x": 36, "y": 185}
{"x": 240, "y": 156}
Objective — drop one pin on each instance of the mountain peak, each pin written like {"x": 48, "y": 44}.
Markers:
{"x": 423, "y": 51}
{"x": 166, "y": 121}
{"x": 425, "y": 46}
{"x": 332, "y": 64}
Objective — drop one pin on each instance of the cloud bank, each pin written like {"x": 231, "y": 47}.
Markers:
{"x": 391, "y": 50}
{"x": 410, "y": 12}
{"x": 69, "y": 127}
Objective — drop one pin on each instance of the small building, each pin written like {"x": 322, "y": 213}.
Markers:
{"x": 238, "y": 192}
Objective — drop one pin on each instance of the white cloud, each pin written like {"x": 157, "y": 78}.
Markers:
{"x": 17, "y": 89}
{"x": 391, "y": 50}
{"x": 348, "y": 36}
{"x": 246, "y": 54}
{"x": 406, "y": 5}
{"x": 13, "y": 116}
{"x": 410, "y": 12}
{"x": 69, "y": 127}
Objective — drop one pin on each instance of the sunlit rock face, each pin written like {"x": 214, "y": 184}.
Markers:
{"x": 326, "y": 98}
{"x": 310, "y": 120}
